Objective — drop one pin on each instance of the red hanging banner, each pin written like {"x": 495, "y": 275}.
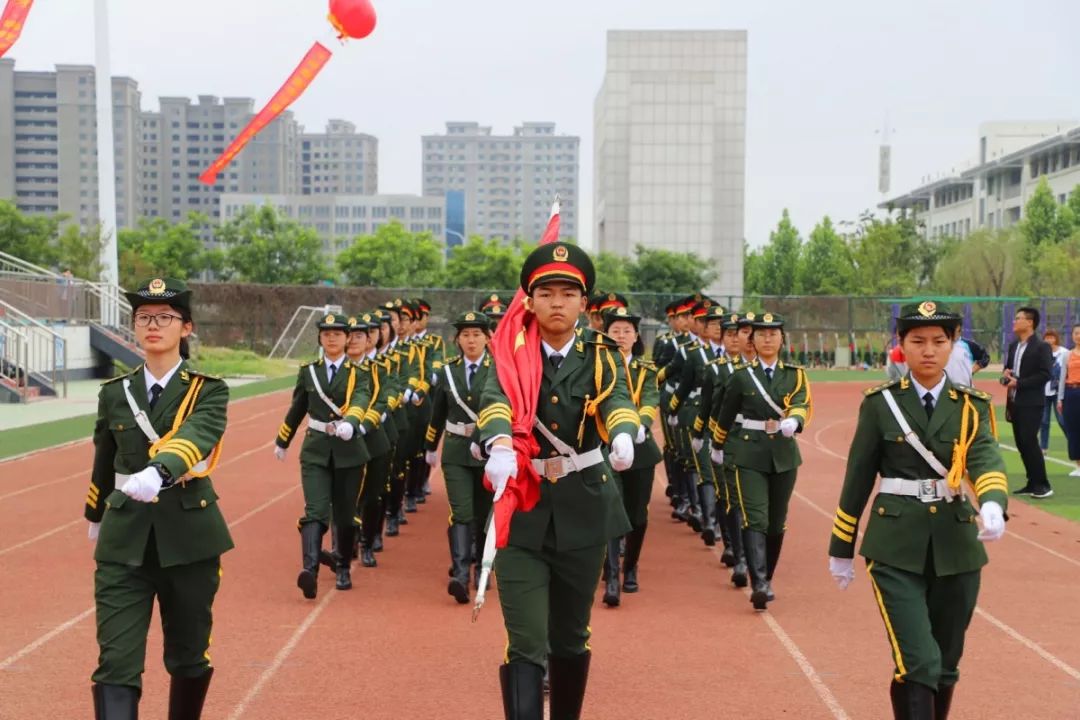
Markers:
{"x": 297, "y": 83}
{"x": 12, "y": 22}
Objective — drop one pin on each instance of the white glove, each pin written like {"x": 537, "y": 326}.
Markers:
{"x": 344, "y": 430}
{"x": 697, "y": 444}
{"x": 383, "y": 418}
{"x": 993, "y": 521}
{"x": 280, "y": 453}
{"x": 717, "y": 456}
{"x": 475, "y": 451}
{"x": 143, "y": 485}
{"x": 501, "y": 466}
{"x": 93, "y": 530}
{"x": 622, "y": 452}
{"x": 409, "y": 394}
{"x": 673, "y": 420}
{"x": 842, "y": 570}
{"x": 431, "y": 457}
{"x": 640, "y": 435}
{"x": 788, "y": 427}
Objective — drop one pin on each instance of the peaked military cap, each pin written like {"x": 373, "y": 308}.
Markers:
{"x": 359, "y": 322}
{"x": 928, "y": 313}
{"x": 558, "y": 262}
{"x": 423, "y": 306}
{"x": 731, "y": 320}
{"x": 611, "y": 301}
{"x": 471, "y": 319}
{"x": 492, "y": 301}
{"x": 716, "y": 312}
{"x": 334, "y": 321}
{"x": 767, "y": 320}
{"x": 161, "y": 291}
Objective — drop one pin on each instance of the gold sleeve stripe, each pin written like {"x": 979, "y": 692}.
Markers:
{"x": 182, "y": 451}
{"x": 186, "y": 459}
{"x": 413, "y": 382}
{"x": 673, "y": 404}
{"x": 496, "y": 409}
{"x": 622, "y": 415}
{"x": 283, "y": 435}
{"x": 430, "y": 435}
{"x": 847, "y": 527}
{"x": 192, "y": 447}
{"x": 373, "y": 416}
{"x": 92, "y": 502}
{"x": 988, "y": 482}
{"x": 842, "y": 535}
{"x": 989, "y": 487}
{"x": 848, "y": 518}
{"x": 485, "y": 421}
{"x": 649, "y": 411}
{"x": 720, "y": 435}
{"x": 797, "y": 412}
{"x": 699, "y": 424}
{"x": 285, "y": 427}
{"x": 986, "y": 477}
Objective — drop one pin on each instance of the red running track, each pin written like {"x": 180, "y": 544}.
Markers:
{"x": 687, "y": 646}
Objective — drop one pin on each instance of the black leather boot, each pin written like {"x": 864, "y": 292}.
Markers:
{"x": 329, "y": 557}
{"x": 344, "y": 568}
{"x": 310, "y": 544}
{"x": 569, "y": 676}
{"x": 773, "y": 543}
{"x": 410, "y": 504}
{"x": 634, "y": 541}
{"x": 943, "y": 701}
{"x": 116, "y": 702}
{"x": 693, "y": 515}
{"x": 611, "y": 584}
{"x": 460, "y": 537}
{"x": 755, "y": 560}
{"x": 739, "y": 572}
{"x": 392, "y": 523}
{"x": 522, "y": 691}
{"x": 187, "y": 695}
{"x": 708, "y": 514}
{"x": 912, "y": 701}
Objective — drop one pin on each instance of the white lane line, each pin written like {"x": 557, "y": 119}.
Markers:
{"x": 42, "y": 536}
{"x": 819, "y": 445}
{"x": 1011, "y": 632}
{"x": 68, "y": 624}
{"x": 1048, "y": 458}
{"x": 1030, "y": 644}
{"x": 61, "y": 628}
{"x": 822, "y": 690}
{"x": 281, "y": 657}
{"x": 29, "y": 488}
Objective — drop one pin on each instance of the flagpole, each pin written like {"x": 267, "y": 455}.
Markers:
{"x": 106, "y": 167}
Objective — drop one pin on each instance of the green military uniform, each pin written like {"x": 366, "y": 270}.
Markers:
{"x": 169, "y": 547}
{"x": 636, "y": 482}
{"x": 375, "y": 475}
{"x": 548, "y": 573}
{"x": 494, "y": 309}
{"x": 330, "y": 467}
{"x": 922, "y": 553}
{"x": 765, "y": 462}
{"x": 404, "y": 374}
{"x": 455, "y": 410}
{"x": 432, "y": 360}
{"x": 677, "y": 458}
{"x": 389, "y": 364}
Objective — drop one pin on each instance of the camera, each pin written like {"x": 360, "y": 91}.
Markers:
{"x": 1004, "y": 380}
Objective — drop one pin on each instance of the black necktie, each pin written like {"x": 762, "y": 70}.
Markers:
{"x": 555, "y": 359}
{"x": 155, "y": 394}
{"x": 928, "y": 403}
{"x": 768, "y": 374}
{"x": 333, "y": 371}
{"x": 472, "y": 374}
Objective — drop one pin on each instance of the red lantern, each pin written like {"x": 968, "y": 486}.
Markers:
{"x": 352, "y": 18}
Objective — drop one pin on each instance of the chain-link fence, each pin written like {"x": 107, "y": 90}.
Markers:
{"x": 253, "y": 316}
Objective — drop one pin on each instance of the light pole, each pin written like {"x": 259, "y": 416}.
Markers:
{"x": 106, "y": 166}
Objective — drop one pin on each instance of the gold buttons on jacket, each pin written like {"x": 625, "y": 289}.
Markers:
{"x": 881, "y": 511}
{"x": 155, "y": 500}
{"x": 554, "y": 399}
{"x": 554, "y": 426}
{"x": 933, "y": 509}
{"x": 202, "y": 503}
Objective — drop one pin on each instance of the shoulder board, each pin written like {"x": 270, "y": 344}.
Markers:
{"x": 647, "y": 364}
{"x": 972, "y": 392}
{"x": 121, "y": 377}
{"x": 878, "y": 388}
{"x": 595, "y": 337}
{"x": 793, "y": 366}
{"x": 456, "y": 361}
{"x": 199, "y": 373}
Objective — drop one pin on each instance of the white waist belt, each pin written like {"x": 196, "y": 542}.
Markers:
{"x": 560, "y": 466}
{"x": 695, "y": 394}
{"x": 668, "y": 387}
{"x": 928, "y": 490}
{"x": 462, "y": 429}
{"x": 317, "y": 425}
{"x": 121, "y": 478}
{"x": 757, "y": 425}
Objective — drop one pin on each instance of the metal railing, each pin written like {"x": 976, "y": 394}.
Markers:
{"x": 295, "y": 328}
{"x": 39, "y": 355}
{"x": 13, "y": 358}
{"x": 56, "y": 297}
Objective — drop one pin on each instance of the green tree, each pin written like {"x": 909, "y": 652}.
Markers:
{"x": 825, "y": 264}
{"x": 753, "y": 271}
{"x": 32, "y": 238}
{"x": 884, "y": 252}
{"x": 612, "y": 272}
{"x": 987, "y": 262}
{"x": 780, "y": 258}
{"x": 664, "y": 271}
{"x": 157, "y": 247}
{"x": 80, "y": 252}
{"x": 391, "y": 258}
{"x": 1073, "y": 204}
{"x": 1041, "y": 224}
{"x": 1056, "y": 267}
{"x": 485, "y": 263}
{"x": 263, "y": 247}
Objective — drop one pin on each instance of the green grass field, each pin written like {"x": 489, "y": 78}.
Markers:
{"x": 1066, "y": 499}
{"x": 17, "y": 441}
{"x": 241, "y": 363}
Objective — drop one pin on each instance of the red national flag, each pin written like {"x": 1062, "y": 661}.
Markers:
{"x": 12, "y": 22}
{"x": 516, "y": 349}
{"x": 297, "y": 83}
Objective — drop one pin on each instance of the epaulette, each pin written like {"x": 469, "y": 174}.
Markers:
{"x": 595, "y": 337}
{"x": 200, "y": 373}
{"x": 647, "y": 364}
{"x": 973, "y": 392}
{"x": 722, "y": 360}
{"x": 121, "y": 377}
{"x": 457, "y": 360}
{"x": 793, "y": 366}
{"x": 878, "y": 388}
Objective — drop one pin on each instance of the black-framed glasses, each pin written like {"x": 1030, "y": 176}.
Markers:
{"x": 162, "y": 320}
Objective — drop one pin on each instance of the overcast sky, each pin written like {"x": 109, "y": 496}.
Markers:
{"x": 822, "y": 76}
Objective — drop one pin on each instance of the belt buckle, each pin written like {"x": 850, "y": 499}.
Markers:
{"x": 554, "y": 467}
{"x": 927, "y": 491}
{"x": 772, "y": 427}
